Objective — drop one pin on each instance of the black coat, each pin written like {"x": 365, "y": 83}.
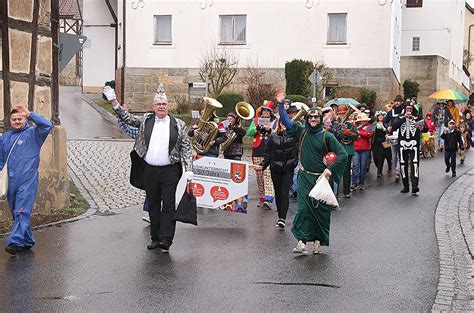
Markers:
{"x": 452, "y": 140}
{"x": 281, "y": 152}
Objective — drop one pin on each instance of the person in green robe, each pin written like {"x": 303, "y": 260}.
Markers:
{"x": 313, "y": 218}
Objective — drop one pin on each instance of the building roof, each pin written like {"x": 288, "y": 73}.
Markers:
{"x": 71, "y": 9}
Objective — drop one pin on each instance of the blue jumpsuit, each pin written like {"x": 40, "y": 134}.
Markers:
{"x": 23, "y": 175}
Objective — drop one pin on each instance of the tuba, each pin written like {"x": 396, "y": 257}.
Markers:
{"x": 345, "y": 121}
{"x": 207, "y": 130}
{"x": 245, "y": 112}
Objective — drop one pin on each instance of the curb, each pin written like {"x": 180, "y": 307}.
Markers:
{"x": 455, "y": 236}
{"x": 105, "y": 114}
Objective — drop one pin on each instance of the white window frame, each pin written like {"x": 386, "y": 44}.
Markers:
{"x": 413, "y": 46}
{"x": 342, "y": 42}
{"x": 163, "y": 42}
{"x": 233, "y": 40}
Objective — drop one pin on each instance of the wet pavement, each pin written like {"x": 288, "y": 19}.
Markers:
{"x": 383, "y": 254}
{"x": 81, "y": 120}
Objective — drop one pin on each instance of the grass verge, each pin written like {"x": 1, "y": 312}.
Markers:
{"x": 106, "y": 105}
{"x": 77, "y": 206}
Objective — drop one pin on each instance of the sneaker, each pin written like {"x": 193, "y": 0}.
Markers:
{"x": 404, "y": 190}
{"x": 354, "y": 187}
{"x": 267, "y": 205}
{"x": 415, "y": 190}
{"x": 448, "y": 168}
{"x": 454, "y": 174}
{"x": 347, "y": 195}
{"x": 300, "y": 248}
{"x": 280, "y": 223}
{"x": 146, "y": 218}
{"x": 11, "y": 249}
{"x": 361, "y": 186}
{"x": 317, "y": 247}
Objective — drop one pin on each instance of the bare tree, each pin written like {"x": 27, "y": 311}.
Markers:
{"x": 257, "y": 91}
{"x": 218, "y": 68}
{"x": 326, "y": 77}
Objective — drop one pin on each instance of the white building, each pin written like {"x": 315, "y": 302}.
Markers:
{"x": 469, "y": 34}
{"x": 165, "y": 40}
{"x": 432, "y": 46}
{"x": 99, "y": 57}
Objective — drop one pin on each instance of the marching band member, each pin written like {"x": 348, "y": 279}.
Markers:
{"x": 260, "y": 134}
{"x": 213, "y": 152}
{"x": 346, "y": 135}
{"x": 236, "y": 149}
{"x": 410, "y": 127}
{"x": 362, "y": 148}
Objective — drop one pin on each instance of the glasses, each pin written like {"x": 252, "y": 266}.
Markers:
{"x": 160, "y": 103}
{"x": 313, "y": 116}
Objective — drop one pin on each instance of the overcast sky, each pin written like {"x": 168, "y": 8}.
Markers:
{"x": 470, "y": 2}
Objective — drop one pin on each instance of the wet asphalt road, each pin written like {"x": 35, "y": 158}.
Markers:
{"x": 81, "y": 120}
{"x": 383, "y": 257}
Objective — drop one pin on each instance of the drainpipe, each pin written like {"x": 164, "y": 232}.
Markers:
{"x": 115, "y": 24}
{"x": 124, "y": 42}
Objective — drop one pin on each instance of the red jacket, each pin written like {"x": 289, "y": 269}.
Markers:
{"x": 362, "y": 143}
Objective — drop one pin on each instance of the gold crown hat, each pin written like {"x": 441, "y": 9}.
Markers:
{"x": 160, "y": 95}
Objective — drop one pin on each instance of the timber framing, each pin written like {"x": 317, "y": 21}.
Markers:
{"x": 5, "y": 64}
{"x": 34, "y": 56}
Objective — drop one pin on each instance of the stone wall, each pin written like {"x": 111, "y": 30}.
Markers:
{"x": 141, "y": 83}
{"x": 30, "y": 80}
{"x": 432, "y": 73}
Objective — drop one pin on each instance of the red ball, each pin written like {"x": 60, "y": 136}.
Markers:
{"x": 329, "y": 158}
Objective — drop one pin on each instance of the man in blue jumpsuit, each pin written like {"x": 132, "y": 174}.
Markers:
{"x": 22, "y": 172}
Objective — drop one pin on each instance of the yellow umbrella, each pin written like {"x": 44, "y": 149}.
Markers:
{"x": 449, "y": 94}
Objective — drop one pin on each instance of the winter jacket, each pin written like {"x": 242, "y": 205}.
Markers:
{"x": 236, "y": 148}
{"x": 437, "y": 114}
{"x": 260, "y": 135}
{"x": 452, "y": 139}
{"x": 363, "y": 141}
{"x": 281, "y": 152}
{"x": 379, "y": 134}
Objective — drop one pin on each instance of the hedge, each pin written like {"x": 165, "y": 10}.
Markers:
{"x": 296, "y": 75}
{"x": 228, "y": 101}
{"x": 297, "y": 98}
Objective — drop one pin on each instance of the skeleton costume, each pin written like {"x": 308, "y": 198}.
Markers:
{"x": 409, "y": 144}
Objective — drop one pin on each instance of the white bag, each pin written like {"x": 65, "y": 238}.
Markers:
{"x": 4, "y": 174}
{"x": 4, "y": 182}
{"x": 322, "y": 191}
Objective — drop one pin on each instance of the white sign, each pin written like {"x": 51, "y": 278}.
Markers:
{"x": 315, "y": 77}
{"x": 313, "y": 100}
{"x": 199, "y": 85}
{"x": 219, "y": 181}
{"x": 195, "y": 114}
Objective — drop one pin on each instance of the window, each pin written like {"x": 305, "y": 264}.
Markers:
{"x": 337, "y": 28}
{"x": 415, "y": 44}
{"x": 414, "y": 3}
{"x": 233, "y": 29}
{"x": 162, "y": 29}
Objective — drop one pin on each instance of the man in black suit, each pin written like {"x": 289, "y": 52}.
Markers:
{"x": 164, "y": 147}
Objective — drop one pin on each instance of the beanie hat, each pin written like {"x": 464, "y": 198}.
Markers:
{"x": 160, "y": 95}
{"x": 232, "y": 114}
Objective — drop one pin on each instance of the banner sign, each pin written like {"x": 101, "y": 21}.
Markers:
{"x": 217, "y": 182}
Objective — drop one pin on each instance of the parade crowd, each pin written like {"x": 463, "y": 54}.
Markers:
{"x": 294, "y": 147}
{"x": 291, "y": 144}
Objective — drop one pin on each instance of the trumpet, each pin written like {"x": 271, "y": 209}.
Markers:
{"x": 245, "y": 112}
{"x": 301, "y": 113}
{"x": 207, "y": 130}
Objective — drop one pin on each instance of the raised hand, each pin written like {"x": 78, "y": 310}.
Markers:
{"x": 109, "y": 93}
{"x": 23, "y": 111}
{"x": 280, "y": 96}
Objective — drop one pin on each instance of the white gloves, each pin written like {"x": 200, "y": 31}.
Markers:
{"x": 109, "y": 93}
{"x": 189, "y": 175}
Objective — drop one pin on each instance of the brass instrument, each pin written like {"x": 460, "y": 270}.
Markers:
{"x": 245, "y": 112}
{"x": 301, "y": 113}
{"x": 345, "y": 121}
{"x": 207, "y": 130}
